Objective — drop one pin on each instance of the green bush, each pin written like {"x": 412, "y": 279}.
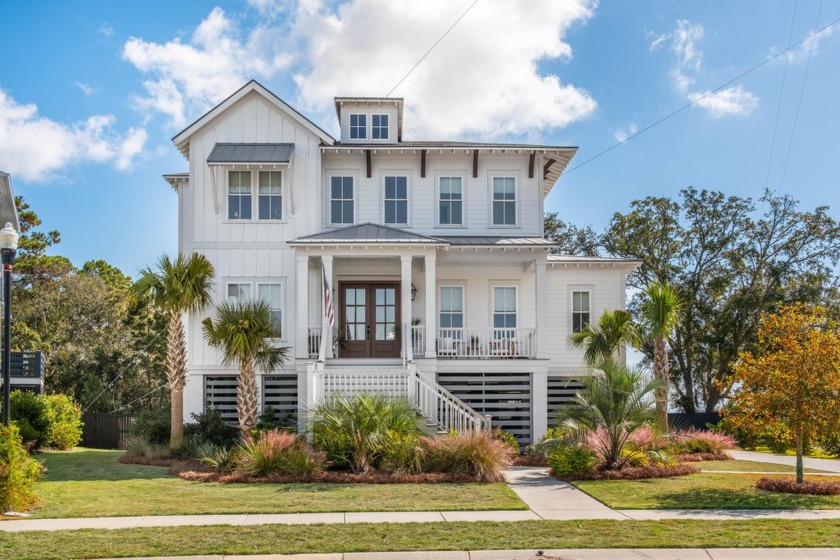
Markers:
{"x": 138, "y": 446}
{"x": 357, "y": 431}
{"x": 65, "y": 421}
{"x": 404, "y": 454}
{"x": 570, "y": 460}
{"x": 270, "y": 419}
{"x": 211, "y": 427}
{"x": 506, "y": 437}
{"x": 278, "y": 453}
{"x": 476, "y": 455}
{"x": 831, "y": 444}
{"x": 153, "y": 425}
{"x": 28, "y": 412}
{"x": 223, "y": 460}
{"x": 18, "y": 472}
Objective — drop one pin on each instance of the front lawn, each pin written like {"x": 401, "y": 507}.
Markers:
{"x": 532, "y": 535}
{"x": 701, "y": 491}
{"x": 90, "y": 483}
{"x": 747, "y": 466}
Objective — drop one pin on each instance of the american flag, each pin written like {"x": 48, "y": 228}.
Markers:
{"x": 328, "y": 306}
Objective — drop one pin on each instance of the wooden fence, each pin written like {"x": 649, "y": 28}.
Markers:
{"x": 105, "y": 431}
{"x": 693, "y": 420}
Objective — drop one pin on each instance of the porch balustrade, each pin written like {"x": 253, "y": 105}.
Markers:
{"x": 478, "y": 343}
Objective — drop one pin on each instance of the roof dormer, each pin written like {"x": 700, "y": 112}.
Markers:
{"x": 370, "y": 120}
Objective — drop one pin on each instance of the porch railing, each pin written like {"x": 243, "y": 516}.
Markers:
{"x": 314, "y": 341}
{"x": 478, "y": 343}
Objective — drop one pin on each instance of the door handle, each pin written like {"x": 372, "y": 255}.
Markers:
{"x": 367, "y": 332}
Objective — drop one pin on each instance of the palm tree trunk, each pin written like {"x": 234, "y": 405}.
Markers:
{"x": 176, "y": 374}
{"x": 247, "y": 397}
{"x": 660, "y": 370}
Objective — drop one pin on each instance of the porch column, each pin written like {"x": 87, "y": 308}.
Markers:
{"x": 302, "y": 307}
{"x": 327, "y": 332}
{"x": 431, "y": 307}
{"x": 540, "y": 297}
{"x": 405, "y": 298}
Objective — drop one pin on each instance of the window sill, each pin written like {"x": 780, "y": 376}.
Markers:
{"x": 252, "y": 221}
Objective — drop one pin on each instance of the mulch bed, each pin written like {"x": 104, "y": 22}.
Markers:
{"x": 530, "y": 461}
{"x": 789, "y": 486}
{"x": 697, "y": 457}
{"x": 635, "y": 473}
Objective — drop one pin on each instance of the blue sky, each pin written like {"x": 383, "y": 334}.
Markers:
{"x": 92, "y": 92}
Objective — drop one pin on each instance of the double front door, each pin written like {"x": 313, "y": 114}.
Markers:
{"x": 369, "y": 324}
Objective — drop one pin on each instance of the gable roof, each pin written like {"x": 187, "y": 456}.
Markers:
{"x": 367, "y": 233}
{"x": 181, "y": 140}
{"x": 251, "y": 153}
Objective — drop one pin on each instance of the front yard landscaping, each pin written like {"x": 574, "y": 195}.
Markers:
{"x": 90, "y": 483}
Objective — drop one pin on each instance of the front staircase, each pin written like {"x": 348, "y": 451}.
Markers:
{"x": 441, "y": 409}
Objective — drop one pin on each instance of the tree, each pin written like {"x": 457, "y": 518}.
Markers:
{"x": 176, "y": 287}
{"x": 570, "y": 239}
{"x": 605, "y": 339}
{"x": 241, "y": 331}
{"x": 611, "y": 406}
{"x": 661, "y": 310}
{"x": 790, "y": 383}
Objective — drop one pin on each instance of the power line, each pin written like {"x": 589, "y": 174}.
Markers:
{"x": 700, "y": 98}
{"x": 422, "y": 58}
{"x": 158, "y": 388}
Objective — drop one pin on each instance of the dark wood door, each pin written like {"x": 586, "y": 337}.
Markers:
{"x": 370, "y": 320}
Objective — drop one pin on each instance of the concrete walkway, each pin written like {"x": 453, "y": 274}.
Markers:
{"x": 829, "y": 465}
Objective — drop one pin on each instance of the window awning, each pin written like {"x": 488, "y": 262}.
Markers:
{"x": 249, "y": 154}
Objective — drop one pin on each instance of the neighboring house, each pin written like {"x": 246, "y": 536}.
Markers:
{"x": 434, "y": 253}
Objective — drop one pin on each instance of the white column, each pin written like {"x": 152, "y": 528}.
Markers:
{"x": 327, "y": 334}
{"x": 431, "y": 304}
{"x": 405, "y": 297}
{"x": 540, "y": 297}
{"x": 539, "y": 405}
{"x": 302, "y": 307}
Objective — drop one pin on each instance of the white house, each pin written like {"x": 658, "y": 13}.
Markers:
{"x": 442, "y": 240}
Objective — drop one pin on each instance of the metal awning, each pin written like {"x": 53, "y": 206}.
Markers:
{"x": 8, "y": 211}
{"x": 232, "y": 154}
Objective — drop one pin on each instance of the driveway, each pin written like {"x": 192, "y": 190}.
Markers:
{"x": 828, "y": 465}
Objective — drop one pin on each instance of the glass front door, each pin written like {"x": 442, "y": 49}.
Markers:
{"x": 370, "y": 320}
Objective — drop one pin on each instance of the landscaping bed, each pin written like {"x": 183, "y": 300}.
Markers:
{"x": 787, "y": 486}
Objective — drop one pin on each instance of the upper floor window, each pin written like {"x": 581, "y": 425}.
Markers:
{"x": 270, "y": 195}
{"x": 358, "y": 126}
{"x": 580, "y": 311}
{"x": 341, "y": 200}
{"x": 379, "y": 127}
{"x": 451, "y": 202}
{"x": 239, "y": 195}
{"x": 238, "y": 292}
{"x": 396, "y": 200}
{"x": 271, "y": 294}
{"x": 504, "y": 307}
{"x": 504, "y": 201}
{"x": 452, "y": 310}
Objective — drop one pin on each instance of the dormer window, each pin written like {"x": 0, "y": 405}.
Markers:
{"x": 358, "y": 127}
{"x": 379, "y": 127}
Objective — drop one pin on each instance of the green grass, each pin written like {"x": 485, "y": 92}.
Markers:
{"x": 815, "y": 453}
{"x": 747, "y": 466}
{"x": 90, "y": 483}
{"x": 702, "y": 491}
{"x": 285, "y": 539}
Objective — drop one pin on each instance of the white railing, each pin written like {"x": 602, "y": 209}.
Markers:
{"x": 418, "y": 340}
{"x": 440, "y": 407}
{"x": 314, "y": 341}
{"x": 486, "y": 343}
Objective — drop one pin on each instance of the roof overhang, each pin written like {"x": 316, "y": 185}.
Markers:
{"x": 576, "y": 261}
{"x": 230, "y": 154}
{"x": 177, "y": 180}
{"x": 8, "y": 210}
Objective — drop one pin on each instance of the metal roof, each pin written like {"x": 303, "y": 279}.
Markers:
{"x": 251, "y": 153}
{"x": 487, "y": 241}
{"x": 582, "y": 259}
{"x": 367, "y": 233}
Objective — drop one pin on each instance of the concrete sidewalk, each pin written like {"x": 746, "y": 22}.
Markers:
{"x": 828, "y": 465}
{"x": 564, "y": 554}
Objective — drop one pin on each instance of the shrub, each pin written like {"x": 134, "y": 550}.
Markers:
{"x": 222, "y": 460}
{"x": 831, "y": 444}
{"x": 405, "y": 454}
{"x": 702, "y": 441}
{"x": 211, "y": 427}
{"x": 153, "y": 425}
{"x": 357, "y": 431}
{"x": 192, "y": 447}
{"x": 18, "y": 472}
{"x": 507, "y": 438}
{"x": 278, "y": 453}
{"x": 270, "y": 419}
{"x": 571, "y": 460}
{"x": 789, "y": 486}
{"x": 29, "y": 413}
{"x": 137, "y": 446}
{"x": 64, "y": 416}
{"x": 476, "y": 455}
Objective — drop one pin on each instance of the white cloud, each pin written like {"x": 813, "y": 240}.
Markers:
{"x": 730, "y": 101}
{"x": 185, "y": 79}
{"x": 106, "y": 30}
{"x": 35, "y": 148}
{"x": 801, "y": 52}
{"x": 269, "y": 8}
{"x": 622, "y": 134}
{"x": 87, "y": 89}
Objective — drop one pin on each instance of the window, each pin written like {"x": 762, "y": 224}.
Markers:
{"x": 238, "y": 292}
{"x": 504, "y": 307}
{"x": 358, "y": 127}
{"x": 270, "y": 198}
{"x": 580, "y": 310}
{"x": 341, "y": 200}
{"x": 271, "y": 294}
{"x": 396, "y": 200}
{"x": 504, "y": 201}
{"x": 379, "y": 127}
{"x": 239, "y": 195}
{"x": 451, "y": 202}
{"x": 451, "y": 310}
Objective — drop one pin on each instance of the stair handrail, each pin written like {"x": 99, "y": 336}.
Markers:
{"x": 456, "y": 415}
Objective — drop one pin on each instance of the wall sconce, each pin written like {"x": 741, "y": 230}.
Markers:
{"x": 413, "y": 291}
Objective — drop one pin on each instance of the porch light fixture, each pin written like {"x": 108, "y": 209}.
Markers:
{"x": 413, "y": 291}
{"x": 8, "y": 250}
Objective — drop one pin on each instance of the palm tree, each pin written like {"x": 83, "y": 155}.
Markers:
{"x": 613, "y": 403}
{"x": 662, "y": 310}
{"x": 176, "y": 287}
{"x": 241, "y": 331}
{"x": 603, "y": 340}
